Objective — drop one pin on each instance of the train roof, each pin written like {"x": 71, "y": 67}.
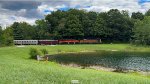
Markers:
{"x": 25, "y": 40}
{"x": 35, "y": 40}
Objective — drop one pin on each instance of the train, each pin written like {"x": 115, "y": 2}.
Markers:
{"x": 55, "y": 42}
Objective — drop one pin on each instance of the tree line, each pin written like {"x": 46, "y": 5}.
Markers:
{"x": 111, "y": 26}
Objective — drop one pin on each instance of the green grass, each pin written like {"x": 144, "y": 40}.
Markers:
{"x": 17, "y": 68}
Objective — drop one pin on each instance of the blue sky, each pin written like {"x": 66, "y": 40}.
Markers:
{"x": 66, "y": 8}
{"x": 31, "y": 10}
{"x": 143, "y": 1}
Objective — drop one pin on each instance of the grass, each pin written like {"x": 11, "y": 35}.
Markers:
{"x": 17, "y": 68}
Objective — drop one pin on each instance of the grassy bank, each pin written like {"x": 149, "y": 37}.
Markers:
{"x": 16, "y": 67}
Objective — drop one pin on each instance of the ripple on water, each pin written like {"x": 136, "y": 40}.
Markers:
{"x": 139, "y": 61}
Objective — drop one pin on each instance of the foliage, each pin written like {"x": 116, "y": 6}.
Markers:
{"x": 137, "y": 15}
{"x": 6, "y": 37}
{"x": 111, "y": 26}
{"x": 73, "y": 28}
{"x": 147, "y": 13}
{"x": 1, "y": 33}
{"x": 42, "y": 29}
{"x": 44, "y": 51}
{"x": 33, "y": 53}
{"x": 16, "y": 31}
{"x": 142, "y": 32}
{"x": 119, "y": 27}
{"x": 23, "y": 31}
{"x": 98, "y": 29}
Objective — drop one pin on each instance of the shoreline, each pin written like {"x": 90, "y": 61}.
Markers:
{"x": 107, "y": 69}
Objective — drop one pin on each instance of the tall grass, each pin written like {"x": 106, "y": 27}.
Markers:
{"x": 17, "y": 68}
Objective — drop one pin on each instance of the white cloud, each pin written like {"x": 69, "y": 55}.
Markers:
{"x": 146, "y": 6}
{"x": 105, "y": 5}
{"x": 44, "y": 7}
{"x": 21, "y": 19}
{"x": 9, "y": 16}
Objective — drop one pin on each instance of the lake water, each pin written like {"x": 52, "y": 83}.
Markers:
{"x": 112, "y": 59}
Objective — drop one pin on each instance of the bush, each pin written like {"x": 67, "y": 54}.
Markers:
{"x": 33, "y": 53}
{"x": 44, "y": 51}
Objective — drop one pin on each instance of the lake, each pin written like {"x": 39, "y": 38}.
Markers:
{"x": 139, "y": 61}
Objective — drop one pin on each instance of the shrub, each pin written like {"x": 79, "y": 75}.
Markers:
{"x": 44, "y": 51}
{"x": 33, "y": 53}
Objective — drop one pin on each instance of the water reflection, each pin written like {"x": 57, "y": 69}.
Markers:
{"x": 123, "y": 60}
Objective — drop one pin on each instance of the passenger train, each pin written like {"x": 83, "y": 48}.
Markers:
{"x": 54, "y": 42}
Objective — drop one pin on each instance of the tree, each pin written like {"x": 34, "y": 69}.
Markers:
{"x": 59, "y": 31}
{"x": 1, "y": 33}
{"x": 125, "y": 13}
{"x": 99, "y": 27}
{"x": 27, "y": 31}
{"x": 73, "y": 28}
{"x": 78, "y": 13}
{"x": 92, "y": 15}
{"x": 119, "y": 26}
{"x": 87, "y": 27}
{"x": 147, "y": 13}
{"x": 142, "y": 32}
{"x": 23, "y": 31}
{"x": 42, "y": 29}
{"x": 137, "y": 15}
{"x": 16, "y": 31}
{"x": 54, "y": 18}
{"x": 7, "y": 37}
{"x": 113, "y": 25}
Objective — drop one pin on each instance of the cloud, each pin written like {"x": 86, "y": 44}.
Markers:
{"x": 11, "y": 11}
{"x": 17, "y": 5}
{"x": 99, "y": 6}
{"x": 30, "y": 10}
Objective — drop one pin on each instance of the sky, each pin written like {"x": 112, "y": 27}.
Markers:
{"x": 31, "y": 10}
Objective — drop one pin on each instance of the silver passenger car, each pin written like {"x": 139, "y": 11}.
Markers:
{"x": 25, "y": 42}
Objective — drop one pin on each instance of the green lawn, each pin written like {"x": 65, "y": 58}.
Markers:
{"x": 17, "y": 68}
